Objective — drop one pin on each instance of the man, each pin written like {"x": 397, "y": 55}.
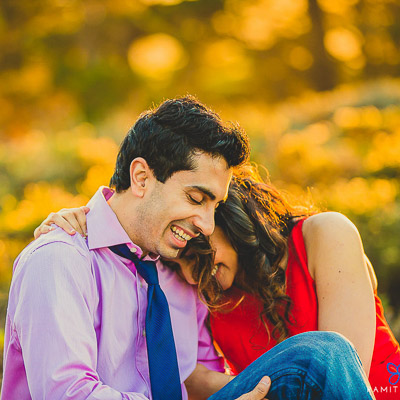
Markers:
{"x": 81, "y": 314}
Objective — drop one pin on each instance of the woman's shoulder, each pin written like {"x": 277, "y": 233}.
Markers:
{"x": 328, "y": 223}
{"x": 328, "y": 232}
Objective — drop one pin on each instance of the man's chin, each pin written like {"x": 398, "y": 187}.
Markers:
{"x": 170, "y": 254}
{"x": 175, "y": 257}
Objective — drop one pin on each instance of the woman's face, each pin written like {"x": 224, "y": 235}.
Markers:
{"x": 226, "y": 261}
{"x": 186, "y": 266}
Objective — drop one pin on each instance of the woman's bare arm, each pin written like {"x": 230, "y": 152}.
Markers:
{"x": 345, "y": 293}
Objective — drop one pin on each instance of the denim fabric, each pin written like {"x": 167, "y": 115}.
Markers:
{"x": 308, "y": 366}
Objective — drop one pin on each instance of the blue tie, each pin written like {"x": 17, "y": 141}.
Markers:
{"x": 163, "y": 364}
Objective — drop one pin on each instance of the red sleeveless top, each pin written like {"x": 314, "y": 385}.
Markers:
{"x": 242, "y": 337}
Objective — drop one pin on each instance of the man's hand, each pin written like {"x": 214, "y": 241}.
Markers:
{"x": 259, "y": 392}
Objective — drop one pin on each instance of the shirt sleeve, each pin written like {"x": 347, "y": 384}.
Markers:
{"x": 56, "y": 298}
{"x": 207, "y": 354}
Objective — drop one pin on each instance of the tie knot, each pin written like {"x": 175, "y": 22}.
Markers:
{"x": 146, "y": 269}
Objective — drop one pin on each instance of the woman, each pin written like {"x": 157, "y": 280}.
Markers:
{"x": 284, "y": 271}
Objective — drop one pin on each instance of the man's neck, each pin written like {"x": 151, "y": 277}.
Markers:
{"x": 125, "y": 213}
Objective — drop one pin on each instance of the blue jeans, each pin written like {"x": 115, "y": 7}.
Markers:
{"x": 311, "y": 365}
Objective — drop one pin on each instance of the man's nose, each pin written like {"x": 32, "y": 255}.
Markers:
{"x": 206, "y": 222}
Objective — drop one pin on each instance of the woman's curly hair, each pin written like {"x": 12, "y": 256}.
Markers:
{"x": 257, "y": 220}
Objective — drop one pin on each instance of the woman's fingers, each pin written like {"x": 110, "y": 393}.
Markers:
{"x": 80, "y": 215}
{"x": 55, "y": 218}
{"x": 71, "y": 220}
{"x": 41, "y": 229}
{"x": 76, "y": 217}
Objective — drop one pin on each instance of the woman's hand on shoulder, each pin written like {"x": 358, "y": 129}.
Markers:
{"x": 344, "y": 287}
{"x": 72, "y": 220}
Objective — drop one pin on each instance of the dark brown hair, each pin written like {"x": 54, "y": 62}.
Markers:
{"x": 169, "y": 135}
{"x": 257, "y": 220}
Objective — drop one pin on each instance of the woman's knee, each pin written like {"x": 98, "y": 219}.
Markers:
{"x": 326, "y": 345}
{"x": 322, "y": 338}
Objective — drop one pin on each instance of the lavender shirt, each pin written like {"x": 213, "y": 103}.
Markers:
{"x": 76, "y": 317}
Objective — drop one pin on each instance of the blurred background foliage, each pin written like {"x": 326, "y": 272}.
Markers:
{"x": 316, "y": 84}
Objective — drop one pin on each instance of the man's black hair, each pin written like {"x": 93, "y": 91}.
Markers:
{"x": 168, "y": 136}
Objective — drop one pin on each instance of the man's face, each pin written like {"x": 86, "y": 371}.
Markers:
{"x": 174, "y": 212}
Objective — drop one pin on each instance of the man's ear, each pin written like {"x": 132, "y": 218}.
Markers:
{"x": 140, "y": 174}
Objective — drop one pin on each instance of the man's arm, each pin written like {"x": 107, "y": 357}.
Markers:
{"x": 202, "y": 382}
{"x": 55, "y": 300}
{"x": 208, "y": 377}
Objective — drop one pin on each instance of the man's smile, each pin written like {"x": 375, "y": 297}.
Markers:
{"x": 180, "y": 234}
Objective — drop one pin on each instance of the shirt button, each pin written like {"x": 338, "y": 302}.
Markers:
{"x": 133, "y": 249}
{"x": 144, "y": 333}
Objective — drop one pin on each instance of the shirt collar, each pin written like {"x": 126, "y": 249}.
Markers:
{"x": 103, "y": 227}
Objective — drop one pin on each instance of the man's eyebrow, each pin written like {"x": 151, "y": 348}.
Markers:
{"x": 205, "y": 191}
